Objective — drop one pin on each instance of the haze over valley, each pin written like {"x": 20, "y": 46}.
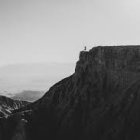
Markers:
{"x": 35, "y": 77}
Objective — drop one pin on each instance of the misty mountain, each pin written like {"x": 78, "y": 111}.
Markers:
{"x": 100, "y": 101}
{"x": 35, "y": 76}
{"x": 28, "y": 95}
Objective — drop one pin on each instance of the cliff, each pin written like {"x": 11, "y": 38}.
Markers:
{"x": 100, "y": 101}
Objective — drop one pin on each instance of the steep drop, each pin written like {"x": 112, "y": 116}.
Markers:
{"x": 100, "y": 101}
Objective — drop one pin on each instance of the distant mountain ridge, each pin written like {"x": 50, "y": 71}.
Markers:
{"x": 28, "y": 95}
{"x": 100, "y": 101}
{"x": 32, "y": 76}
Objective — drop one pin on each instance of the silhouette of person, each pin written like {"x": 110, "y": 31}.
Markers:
{"x": 85, "y": 48}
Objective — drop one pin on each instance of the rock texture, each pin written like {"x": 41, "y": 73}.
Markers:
{"x": 100, "y": 101}
{"x": 8, "y": 105}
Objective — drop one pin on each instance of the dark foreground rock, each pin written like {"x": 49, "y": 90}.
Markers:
{"x": 100, "y": 101}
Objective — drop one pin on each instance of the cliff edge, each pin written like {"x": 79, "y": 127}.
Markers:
{"x": 100, "y": 101}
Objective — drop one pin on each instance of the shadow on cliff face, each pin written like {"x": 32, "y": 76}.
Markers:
{"x": 116, "y": 119}
{"x": 100, "y": 101}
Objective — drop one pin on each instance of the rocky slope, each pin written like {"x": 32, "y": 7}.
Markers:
{"x": 7, "y": 106}
{"x": 100, "y": 101}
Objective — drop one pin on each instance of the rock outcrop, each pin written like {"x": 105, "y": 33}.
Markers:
{"x": 8, "y": 105}
{"x": 100, "y": 101}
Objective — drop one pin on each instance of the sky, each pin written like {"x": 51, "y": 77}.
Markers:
{"x": 37, "y": 77}
{"x": 56, "y": 30}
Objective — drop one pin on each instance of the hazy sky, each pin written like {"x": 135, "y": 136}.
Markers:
{"x": 56, "y": 30}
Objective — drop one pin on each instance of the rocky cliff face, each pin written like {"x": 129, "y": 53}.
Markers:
{"x": 100, "y": 101}
{"x": 7, "y": 106}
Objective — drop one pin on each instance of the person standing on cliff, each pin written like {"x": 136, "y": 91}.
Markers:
{"x": 85, "y": 48}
